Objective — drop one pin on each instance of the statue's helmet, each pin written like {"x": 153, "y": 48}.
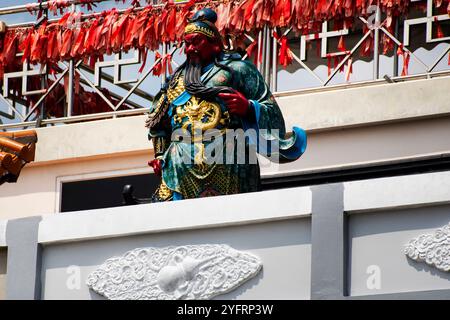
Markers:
{"x": 203, "y": 21}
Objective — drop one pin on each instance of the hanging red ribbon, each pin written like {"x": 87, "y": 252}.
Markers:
{"x": 143, "y": 54}
{"x": 285, "y": 52}
{"x": 405, "y": 54}
{"x": 25, "y": 46}
{"x": 341, "y": 44}
{"x": 164, "y": 65}
{"x": 248, "y": 12}
{"x": 55, "y": 5}
{"x": 349, "y": 69}
{"x": 439, "y": 32}
{"x": 328, "y": 64}
{"x": 167, "y": 63}
{"x": 157, "y": 69}
{"x": 146, "y": 29}
{"x": 285, "y": 55}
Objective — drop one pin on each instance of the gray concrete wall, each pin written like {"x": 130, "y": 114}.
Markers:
{"x": 325, "y": 242}
{"x": 3, "y": 261}
{"x": 376, "y": 243}
{"x": 284, "y": 247}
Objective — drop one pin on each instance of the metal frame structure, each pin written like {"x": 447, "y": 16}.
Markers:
{"x": 267, "y": 48}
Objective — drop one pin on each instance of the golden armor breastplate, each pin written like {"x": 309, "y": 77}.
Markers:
{"x": 196, "y": 114}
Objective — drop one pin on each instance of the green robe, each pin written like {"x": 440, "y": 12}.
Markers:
{"x": 185, "y": 172}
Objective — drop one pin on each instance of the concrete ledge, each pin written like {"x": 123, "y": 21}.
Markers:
{"x": 221, "y": 211}
{"x": 367, "y": 105}
{"x": 397, "y": 192}
{"x": 3, "y": 224}
{"x": 93, "y": 138}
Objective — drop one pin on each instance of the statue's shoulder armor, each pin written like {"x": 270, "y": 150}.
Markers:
{"x": 237, "y": 66}
{"x": 158, "y": 109}
{"x": 168, "y": 81}
{"x": 241, "y": 66}
{"x": 231, "y": 56}
{"x": 172, "y": 87}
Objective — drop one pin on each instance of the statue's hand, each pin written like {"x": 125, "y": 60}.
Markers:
{"x": 236, "y": 103}
{"x": 156, "y": 164}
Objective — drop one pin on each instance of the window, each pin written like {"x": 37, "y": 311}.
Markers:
{"x": 104, "y": 192}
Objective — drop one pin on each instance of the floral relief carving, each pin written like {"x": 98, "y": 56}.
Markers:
{"x": 434, "y": 249}
{"x": 184, "y": 272}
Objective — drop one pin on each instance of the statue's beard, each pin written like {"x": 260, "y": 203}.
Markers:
{"x": 194, "y": 85}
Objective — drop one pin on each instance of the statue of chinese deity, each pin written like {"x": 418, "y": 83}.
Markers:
{"x": 217, "y": 92}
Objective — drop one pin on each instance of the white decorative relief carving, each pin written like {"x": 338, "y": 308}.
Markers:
{"x": 185, "y": 272}
{"x": 434, "y": 249}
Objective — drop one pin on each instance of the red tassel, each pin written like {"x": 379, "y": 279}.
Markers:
{"x": 39, "y": 46}
{"x": 89, "y": 46}
{"x": 51, "y": 46}
{"x": 66, "y": 44}
{"x": 77, "y": 48}
{"x": 93, "y": 59}
{"x": 367, "y": 45}
{"x": 287, "y": 12}
{"x": 341, "y": 44}
{"x": 349, "y": 69}
{"x": 341, "y": 69}
{"x": 249, "y": 10}
{"x": 54, "y": 5}
{"x": 9, "y": 49}
{"x": 157, "y": 70}
{"x": 167, "y": 62}
{"x": 25, "y": 46}
{"x": 328, "y": 64}
{"x": 111, "y": 32}
{"x": 406, "y": 56}
{"x": 146, "y": 34}
{"x": 143, "y": 53}
{"x": 285, "y": 55}
{"x": 172, "y": 23}
{"x": 405, "y": 64}
{"x": 439, "y": 32}
{"x": 336, "y": 61}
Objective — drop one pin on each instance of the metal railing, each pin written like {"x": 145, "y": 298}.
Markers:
{"x": 268, "y": 46}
